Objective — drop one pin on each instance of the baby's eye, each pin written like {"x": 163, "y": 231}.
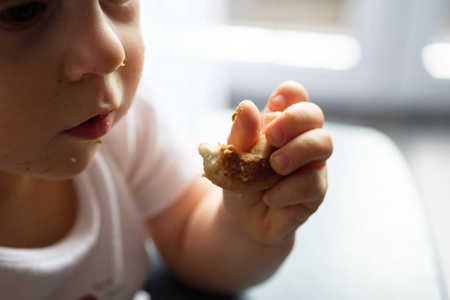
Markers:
{"x": 22, "y": 16}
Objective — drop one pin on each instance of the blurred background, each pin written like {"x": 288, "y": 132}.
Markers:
{"x": 378, "y": 63}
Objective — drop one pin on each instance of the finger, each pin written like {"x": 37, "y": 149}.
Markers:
{"x": 306, "y": 186}
{"x": 246, "y": 127}
{"x": 286, "y": 94}
{"x": 310, "y": 147}
{"x": 295, "y": 120}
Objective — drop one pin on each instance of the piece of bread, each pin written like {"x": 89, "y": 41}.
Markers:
{"x": 232, "y": 169}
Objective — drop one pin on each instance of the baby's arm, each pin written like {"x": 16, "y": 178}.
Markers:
{"x": 223, "y": 241}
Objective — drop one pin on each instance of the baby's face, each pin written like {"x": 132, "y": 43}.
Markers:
{"x": 62, "y": 63}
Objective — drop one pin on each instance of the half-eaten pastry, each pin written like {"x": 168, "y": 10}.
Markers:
{"x": 241, "y": 172}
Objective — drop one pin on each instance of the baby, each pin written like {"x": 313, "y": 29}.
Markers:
{"x": 87, "y": 170}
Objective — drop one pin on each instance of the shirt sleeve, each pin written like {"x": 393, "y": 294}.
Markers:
{"x": 157, "y": 163}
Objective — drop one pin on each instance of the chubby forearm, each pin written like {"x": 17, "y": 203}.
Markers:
{"x": 219, "y": 254}
{"x": 214, "y": 252}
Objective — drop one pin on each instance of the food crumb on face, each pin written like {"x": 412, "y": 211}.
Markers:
{"x": 99, "y": 141}
{"x": 73, "y": 160}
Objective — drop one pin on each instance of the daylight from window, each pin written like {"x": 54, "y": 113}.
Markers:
{"x": 436, "y": 60}
{"x": 298, "y": 33}
{"x": 269, "y": 46}
{"x": 436, "y": 55}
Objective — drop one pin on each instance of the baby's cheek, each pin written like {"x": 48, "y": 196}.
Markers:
{"x": 129, "y": 74}
{"x": 135, "y": 51}
{"x": 132, "y": 71}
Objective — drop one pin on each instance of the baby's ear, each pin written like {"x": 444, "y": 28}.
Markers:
{"x": 246, "y": 127}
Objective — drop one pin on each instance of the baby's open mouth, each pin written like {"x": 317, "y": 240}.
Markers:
{"x": 93, "y": 128}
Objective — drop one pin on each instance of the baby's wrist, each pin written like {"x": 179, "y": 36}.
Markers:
{"x": 251, "y": 224}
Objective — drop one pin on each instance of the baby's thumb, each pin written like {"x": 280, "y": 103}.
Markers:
{"x": 246, "y": 127}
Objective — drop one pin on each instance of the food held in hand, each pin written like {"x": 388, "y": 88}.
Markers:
{"x": 241, "y": 172}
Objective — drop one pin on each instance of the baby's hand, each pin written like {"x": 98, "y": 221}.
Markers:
{"x": 303, "y": 148}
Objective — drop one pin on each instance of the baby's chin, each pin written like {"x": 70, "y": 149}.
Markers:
{"x": 61, "y": 174}
{"x": 64, "y": 168}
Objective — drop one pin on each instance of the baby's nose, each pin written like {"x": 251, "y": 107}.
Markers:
{"x": 95, "y": 48}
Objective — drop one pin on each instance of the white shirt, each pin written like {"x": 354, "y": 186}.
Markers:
{"x": 135, "y": 176}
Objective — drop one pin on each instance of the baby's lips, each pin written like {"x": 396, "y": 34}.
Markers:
{"x": 246, "y": 126}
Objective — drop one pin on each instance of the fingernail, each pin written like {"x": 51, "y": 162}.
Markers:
{"x": 278, "y": 102}
{"x": 266, "y": 199}
{"x": 276, "y": 136}
{"x": 281, "y": 161}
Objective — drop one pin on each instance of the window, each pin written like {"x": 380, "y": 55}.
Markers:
{"x": 288, "y": 14}
{"x": 381, "y": 55}
{"x": 395, "y": 55}
{"x": 426, "y": 85}
{"x": 311, "y": 41}
{"x": 298, "y": 33}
